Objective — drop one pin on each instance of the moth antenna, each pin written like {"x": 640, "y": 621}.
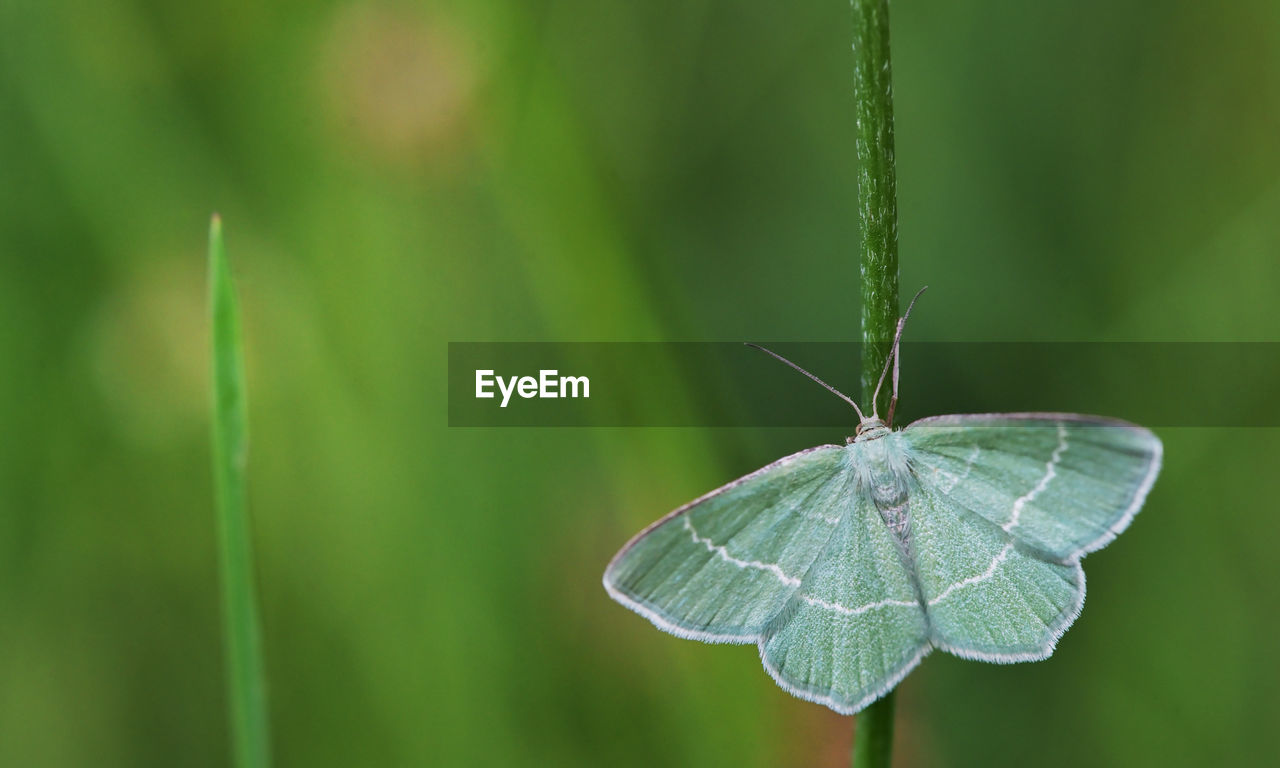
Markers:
{"x": 893, "y": 358}
{"x": 830, "y": 388}
{"x": 897, "y": 360}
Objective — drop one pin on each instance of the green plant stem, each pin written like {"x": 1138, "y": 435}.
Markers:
{"x": 878, "y": 214}
{"x": 877, "y": 190}
{"x": 246, "y": 677}
{"x": 873, "y": 734}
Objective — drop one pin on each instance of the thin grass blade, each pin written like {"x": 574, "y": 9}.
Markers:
{"x": 246, "y": 674}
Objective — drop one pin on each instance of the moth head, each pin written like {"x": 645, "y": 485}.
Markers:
{"x": 870, "y": 428}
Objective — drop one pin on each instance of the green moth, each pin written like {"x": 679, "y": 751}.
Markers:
{"x": 847, "y": 564}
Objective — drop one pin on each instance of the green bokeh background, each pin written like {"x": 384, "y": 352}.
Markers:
{"x": 397, "y": 175}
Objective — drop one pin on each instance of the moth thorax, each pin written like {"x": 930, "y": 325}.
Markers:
{"x": 886, "y": 470}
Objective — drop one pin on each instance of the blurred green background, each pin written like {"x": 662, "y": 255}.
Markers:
{"x": 397, "y": 175}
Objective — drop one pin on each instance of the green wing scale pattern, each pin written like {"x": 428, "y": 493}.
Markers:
{"x": 855, "y": 627}
{"x": 1061, "y": 483}
{"x": 1028, "y": 495}
{"x": 987, "y": 597}
{"x": 720, "y": 568}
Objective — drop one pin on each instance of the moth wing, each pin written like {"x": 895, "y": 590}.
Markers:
{"x": 855, "y": 627}
{"x": 988, "y": 596}
{"x": 1063, "y": 484}
{"x": 720, "y": 568}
